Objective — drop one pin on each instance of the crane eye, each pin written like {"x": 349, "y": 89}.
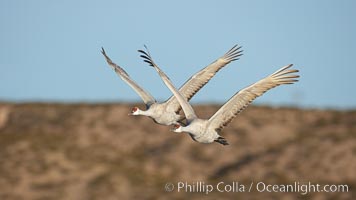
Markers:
{"x": 134, "y": 109}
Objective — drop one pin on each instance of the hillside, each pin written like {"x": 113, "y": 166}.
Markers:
{"x": 97, "y": 151}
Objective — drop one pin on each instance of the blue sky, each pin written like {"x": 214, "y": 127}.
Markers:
{"x": 50, "y": 50}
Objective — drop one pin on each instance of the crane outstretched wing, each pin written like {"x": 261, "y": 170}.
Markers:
{"x": 145, "y": 96}
{"x": 187, "y": 108}
{"x": 198, "y": 80}
{"x": 245, "y": 96}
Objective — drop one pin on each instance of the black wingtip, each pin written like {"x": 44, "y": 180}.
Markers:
{"x": 146, "y": 56}
{"x": 104, "y": 54}
{"x": 149, "y": 62}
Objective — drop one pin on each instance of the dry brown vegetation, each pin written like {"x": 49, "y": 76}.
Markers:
{"x": 96, "y": 151}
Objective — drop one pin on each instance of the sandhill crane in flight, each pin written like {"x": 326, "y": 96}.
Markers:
{"x": 207, "y": 131}
{"x": 167, "y": 113}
